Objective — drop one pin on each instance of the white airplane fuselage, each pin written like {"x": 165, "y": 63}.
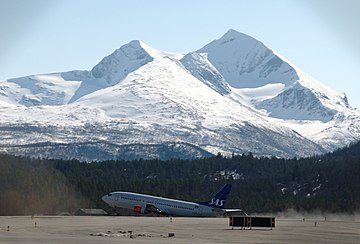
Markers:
{"x": 172, "y": 207}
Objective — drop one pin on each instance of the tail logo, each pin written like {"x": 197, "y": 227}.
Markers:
{"x": 217, "y": 202}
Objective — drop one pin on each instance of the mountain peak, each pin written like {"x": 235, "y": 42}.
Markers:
{"x": 246, "y": 62}
{"x": 114, "y": 68}
{"x": 122, "y": 61}
{"x": 232, "y": 34}
{"x": 235, "y": 39}
{"x": 153, "y": 52}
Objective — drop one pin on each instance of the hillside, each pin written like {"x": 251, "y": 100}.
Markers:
{"x": 328, "y": 184}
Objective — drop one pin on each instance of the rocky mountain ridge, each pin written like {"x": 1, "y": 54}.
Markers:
{"x": 235, "y": 95}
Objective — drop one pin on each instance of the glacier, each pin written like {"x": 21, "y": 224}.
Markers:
{"x": 234, "y": 95}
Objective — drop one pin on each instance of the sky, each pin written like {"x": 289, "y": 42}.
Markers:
{"x": 322, "y": 37}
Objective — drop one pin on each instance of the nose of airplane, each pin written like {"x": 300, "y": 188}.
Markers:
{"x": 105, "y": 198}
{"x": 108, "y": 198}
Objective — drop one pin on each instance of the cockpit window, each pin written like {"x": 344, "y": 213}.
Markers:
{"x": 109, "y": 195}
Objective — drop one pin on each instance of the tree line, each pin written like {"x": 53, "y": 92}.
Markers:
{"x": 326, "y": 183}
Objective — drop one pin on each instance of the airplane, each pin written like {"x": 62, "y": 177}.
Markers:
{"x": 144, "y": 204}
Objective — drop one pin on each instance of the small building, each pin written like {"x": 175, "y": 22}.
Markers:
{"x": 249, "y": 222}
{"x": 90, "y": 212}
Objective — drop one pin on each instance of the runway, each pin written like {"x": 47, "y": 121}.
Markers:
{"x": 108, "y": 229}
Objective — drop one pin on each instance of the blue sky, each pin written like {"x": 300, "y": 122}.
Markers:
{"x": 321, "y": 37}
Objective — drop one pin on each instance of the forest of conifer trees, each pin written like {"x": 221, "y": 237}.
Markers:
{"x": 329, "y": 183}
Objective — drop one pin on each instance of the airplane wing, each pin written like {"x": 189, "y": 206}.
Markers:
{"x": 232, "y": 212}
{"x": 229, "y": 212}
{"x": 152, "y": 209}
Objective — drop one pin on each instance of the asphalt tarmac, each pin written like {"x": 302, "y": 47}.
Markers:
{"x": 108, "y": 229}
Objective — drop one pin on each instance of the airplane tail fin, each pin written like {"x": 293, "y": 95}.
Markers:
{"x": 219, "y": 199}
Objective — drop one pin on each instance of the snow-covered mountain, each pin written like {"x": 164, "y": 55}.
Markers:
{"x": 247, "y": 63}
{"x": 235, "y": 95}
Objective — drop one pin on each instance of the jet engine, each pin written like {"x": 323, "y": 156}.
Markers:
{"x": 139, "y": 209}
